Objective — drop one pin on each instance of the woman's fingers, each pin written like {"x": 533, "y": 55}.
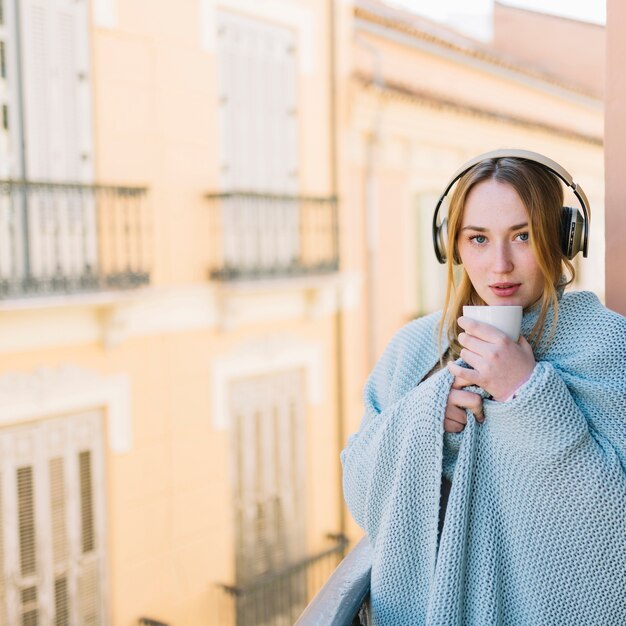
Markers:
{"x": 474, "y": 344}
{"x": 466, "y": 400}
{"x": 483, "y": 331}
{"x": 455, "y": 415}
{"x": 459, "y": 382}
{"x": 455, "y": 419}
{"x": 452, "y": 427}
{"x": 468, "y": 375}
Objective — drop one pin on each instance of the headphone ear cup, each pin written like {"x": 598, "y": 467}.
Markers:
{"x": 571, "y": 232}
{"x": 441, "y": 241}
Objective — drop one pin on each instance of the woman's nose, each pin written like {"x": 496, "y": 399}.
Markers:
{"x": 503, "y": 259}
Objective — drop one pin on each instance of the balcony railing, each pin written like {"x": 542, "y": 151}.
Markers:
{"x": 61, "y": 238}
{"x": 343, "y": 600}
{"x": 256, "y": 235}
{"x": 277, "y": 598}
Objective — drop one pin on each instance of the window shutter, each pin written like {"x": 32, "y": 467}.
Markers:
{"x": 3, "y": 615}
{"x": 58, "y": 519}
{"x": 4, "y": 93}
{"x": 57, "y": 107}
{"x": 268, "y": 460}
{"x": 58, "y": 134}
{"x": 90, "y": 548}
{"x": 257, "y": 88}
{"x": 10, "y": 142}
{"x": 53, "y": 556}
{"x": 28, "y": 558}
{"x": 258, "y": 106}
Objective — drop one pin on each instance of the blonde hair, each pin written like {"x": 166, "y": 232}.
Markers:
{"x": 542, "y": 195}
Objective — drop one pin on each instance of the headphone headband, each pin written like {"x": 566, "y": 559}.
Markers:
{"x": 549, "y": 164}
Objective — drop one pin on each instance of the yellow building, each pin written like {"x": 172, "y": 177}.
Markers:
{"x": 169, "y": 279}
{"x": 211, "y": 220}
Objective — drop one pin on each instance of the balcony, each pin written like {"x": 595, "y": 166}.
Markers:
{"x": 69, "y": 238}
{"x": 278, "y": 597}
{"x": 343, "y": 600}
{"x": 255, "y": 236}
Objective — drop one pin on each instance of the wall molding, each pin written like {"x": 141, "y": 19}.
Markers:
{"x": 280, "y": 12}
{"x": 52, "y": 392}
{"x": 260, "y": 356}
{"x": 112, "y": 318}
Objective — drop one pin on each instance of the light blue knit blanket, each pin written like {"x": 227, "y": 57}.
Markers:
{"x": 535, "y": 529}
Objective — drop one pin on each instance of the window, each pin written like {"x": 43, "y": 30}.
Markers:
{"x": 257, "y": 70}
{"x": 49, "y": 235}
{"x": 5, "y": 94}
{"x": 269, "y": 460}
{"x": 258, "y": 147}
{"x": 51, "y": 509}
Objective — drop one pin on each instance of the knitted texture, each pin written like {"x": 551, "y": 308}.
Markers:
{"x": 535, "y": 528}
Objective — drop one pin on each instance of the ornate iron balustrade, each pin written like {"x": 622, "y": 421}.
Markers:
{"x": 278, "y": 597}
{"x": 61, "y": 238}
{"x": 258, "y": 235}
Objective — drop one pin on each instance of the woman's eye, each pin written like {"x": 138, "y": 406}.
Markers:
{"x": 523, "y": 236}
{"x": 479, "y": 239}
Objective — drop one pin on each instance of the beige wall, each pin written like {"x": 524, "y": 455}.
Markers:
{"x": 569, "y": 49}
{"x": 615, "y": 157}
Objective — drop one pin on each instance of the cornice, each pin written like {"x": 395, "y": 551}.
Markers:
{"x": 401, "y": 92}
{"x": 110, "y": 319}
{"x": 51, "y": 392}
{"x": 449, "y": 43}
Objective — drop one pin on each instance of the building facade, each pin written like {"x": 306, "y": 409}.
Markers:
{"x": 169, "y": 279}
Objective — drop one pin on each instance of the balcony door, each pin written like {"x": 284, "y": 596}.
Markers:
{"x": 48, "y": 234}
{"x": 268, "y": 417}
{"x": 258, "y": 144}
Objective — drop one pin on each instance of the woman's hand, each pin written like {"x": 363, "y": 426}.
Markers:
{"x": 500, "y": 365}
{"x": 456, "y": 417}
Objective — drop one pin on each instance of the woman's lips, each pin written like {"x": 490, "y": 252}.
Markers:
{"x": 503, "y": 290}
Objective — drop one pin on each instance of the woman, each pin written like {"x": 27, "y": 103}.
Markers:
{"x": 531, "y": 434}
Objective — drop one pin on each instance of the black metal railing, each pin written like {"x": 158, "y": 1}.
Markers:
{"x": 278, "y": 597}
{"x": 259, "y": 235}
{"x": 71, "y": 238}
{"x": 343, "y": 600}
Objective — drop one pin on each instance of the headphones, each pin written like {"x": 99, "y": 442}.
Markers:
{"x": 574, "y": 226}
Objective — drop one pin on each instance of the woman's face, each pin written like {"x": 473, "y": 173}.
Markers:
{"x": 494, "y": 246}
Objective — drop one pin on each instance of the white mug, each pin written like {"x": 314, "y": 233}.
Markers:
{"x": 506, "y": 318}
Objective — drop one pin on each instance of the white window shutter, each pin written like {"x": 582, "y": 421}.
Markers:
{"x": 5, "y": 53}
{"x": 58, "y": 134}
{"x": 11, "y": 249}
{"x": 3, "y": 616}
{"x": 257, "y": 92}
{"x": 57, "y": 104}
{"x": 258, "y": 104}
{"x": 90, "y": 482}
{"x": 52, "y": 509}
{"x": 10, "y": 141}
{"x": 269, "y": 469}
